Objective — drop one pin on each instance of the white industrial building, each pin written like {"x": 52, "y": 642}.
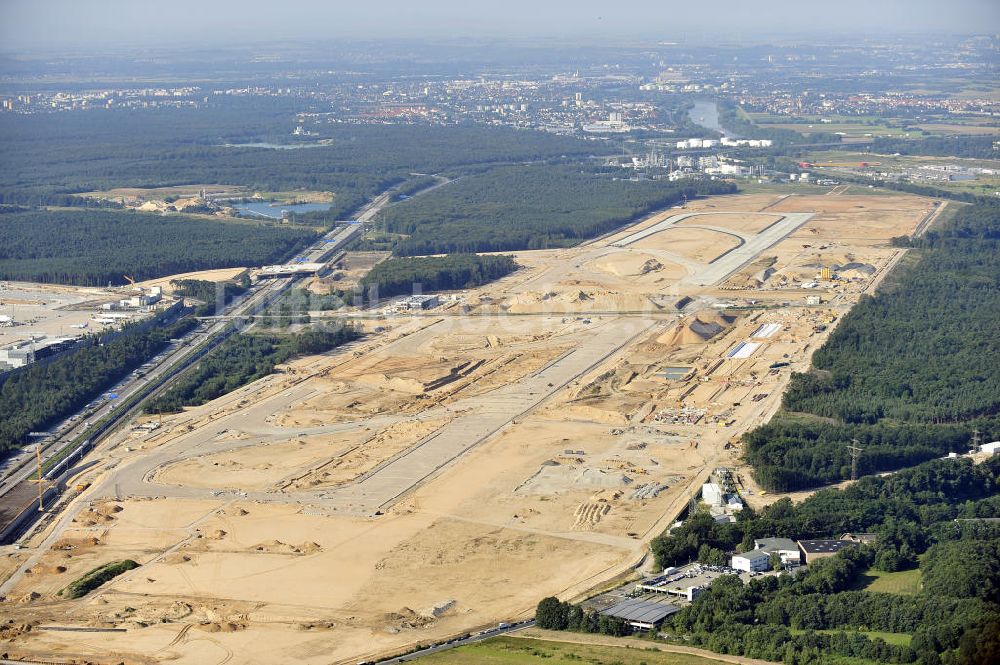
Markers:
{"x": 992, "y": 448}
{"x": 26, "y": 352}
{"x": 12, "y": 358}
{"x": 749, "y": 143}
{"x": 142, "y": 299}
{"x": 786, "y": 548}
{"x": 754, "y": 561}
{"x": 417, "y": 302}
{"x": 712, "y": 494}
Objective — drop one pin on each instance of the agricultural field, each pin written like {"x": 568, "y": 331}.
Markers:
{"x": 518, "y": 651}
{"x": 871, "y": 126}
{"x": 965, "y": 129}
{"x": 850, "y": 126}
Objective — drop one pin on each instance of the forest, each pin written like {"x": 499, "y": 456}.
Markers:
{"x": 45, "y": 157}
{"x": 937, "y": 146}
{"x": 242, "y": 359}
{"x": 907, "y": 372}
{"x": 212, "y": 296}
{"x": 928, "y": 519}
{"x": 44, "y": 393}
{"x": 399, "y": 276}
{"x": 529, "y": 207}
{"x": 94, "y": 247}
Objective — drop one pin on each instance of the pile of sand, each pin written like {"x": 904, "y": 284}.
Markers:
{"x": 221, "y": 627}
{"x": 275, "y": 547}
{"x": 396, "y": 383}
{"x": 278, "y": 547}
{"x": 695, "y": 330}
{"x": 405, "y": 618}
{"x": 855, "y": 270}
{"x": 591, "y": 413}
{"x": 764, "y": 275}
{"x": 628, "y": 264}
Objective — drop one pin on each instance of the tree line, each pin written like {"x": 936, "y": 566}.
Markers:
{"x": 402, "y": 276}
{"x": 529, "y": 207}
{"x": 56, "y": 155}
{"x": 928, "y": 516}
{"x": 907, "y": 372}
{"x": 44, "y": 393}
{"x": 242, "y": 359}
{"x": 94, "y": 247}
{"x": 212, "y": 296}
{"x": 981, "y": 147}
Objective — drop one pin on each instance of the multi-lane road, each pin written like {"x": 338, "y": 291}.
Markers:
{"x": 103, "y": 414}
{"x": 502, "y": 629}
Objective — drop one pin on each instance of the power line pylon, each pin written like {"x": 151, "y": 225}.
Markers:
{"x": 855, "y": 451}
{"x": 41, "y": 479}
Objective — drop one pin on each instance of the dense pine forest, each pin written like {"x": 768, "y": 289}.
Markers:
{"x": 909, "y": 372}
{"x": 46, "y": 156}
{"x": 242, "y": 359}
{"x": 529, "y": 207}
{"x": 942, "y": 146}
{"x": 94, "y": 247}
{"x": 397, "y": 276}
{"x": 928, "y": 521}
{"x": 212, "y": 296}
{"x": 44, "y": 393}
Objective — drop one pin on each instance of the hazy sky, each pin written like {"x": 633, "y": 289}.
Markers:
{"x": 101, "y": 23}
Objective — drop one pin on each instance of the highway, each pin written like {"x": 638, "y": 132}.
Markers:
{"x": 103, "y": 415}
{"x": 457, "y": 642}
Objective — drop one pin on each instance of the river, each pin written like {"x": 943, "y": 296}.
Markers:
{"x": 706, "y": 114}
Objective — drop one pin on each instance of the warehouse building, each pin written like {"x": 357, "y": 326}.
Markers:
{"x": 712, "y": 494}
{"x": 813, "y": 550}
{"x": 786, "y": 548}
{"x": 417, "y": 302}
{"x": 641, "y": 615}
{"x": 993, "y": 448}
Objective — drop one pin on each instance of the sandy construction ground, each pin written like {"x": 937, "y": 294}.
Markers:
{"x": 218, "y": 275}
{"x": 526, "y": 439}
{"x": 702, "y": 245}
{"x": 745, "y": 222}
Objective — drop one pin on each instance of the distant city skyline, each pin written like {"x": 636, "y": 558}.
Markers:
{"x": 103, "y": 24}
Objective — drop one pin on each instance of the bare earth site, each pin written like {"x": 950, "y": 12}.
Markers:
{"x": 452, "y": 467}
